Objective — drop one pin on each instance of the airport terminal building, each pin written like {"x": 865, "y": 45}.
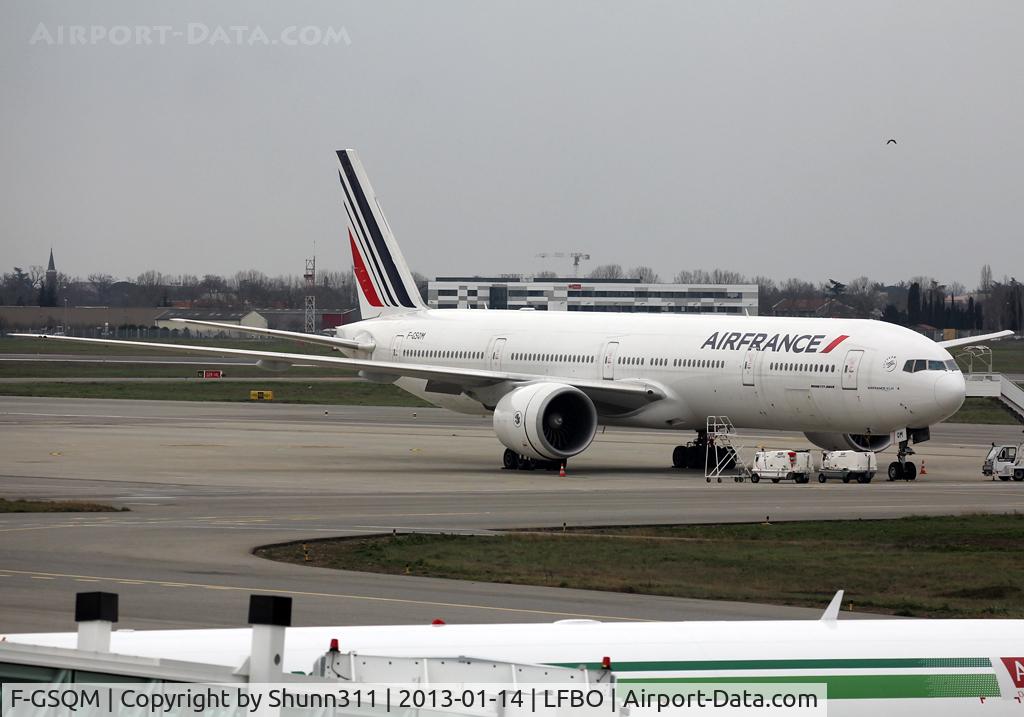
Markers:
{"x": 573, "y": 294}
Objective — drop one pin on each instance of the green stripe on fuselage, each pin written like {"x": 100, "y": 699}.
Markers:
{"x": 812, "y": 664}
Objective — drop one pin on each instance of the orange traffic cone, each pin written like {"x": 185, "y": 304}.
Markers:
{"x": 924, "y": 471}
{"x": 561, "y": 471}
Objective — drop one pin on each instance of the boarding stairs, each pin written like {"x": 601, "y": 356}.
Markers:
{"x": 985, "y": 383}
{"x": 724, "y": 451}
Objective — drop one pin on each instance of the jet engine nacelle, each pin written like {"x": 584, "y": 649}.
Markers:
{"x": 546, "y": 421}
{"x": 850, "y": 441}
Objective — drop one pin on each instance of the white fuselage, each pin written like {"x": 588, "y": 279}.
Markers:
{"x": 844, "y": 376}
{"x": 871, "y": 667}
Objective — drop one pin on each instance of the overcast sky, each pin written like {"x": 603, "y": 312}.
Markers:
{"x": 742, "y": 135}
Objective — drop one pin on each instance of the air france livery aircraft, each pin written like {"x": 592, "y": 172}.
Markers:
{"x": 550, "y": 379}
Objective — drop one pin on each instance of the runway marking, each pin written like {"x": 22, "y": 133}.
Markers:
{"x": 342, "y": 596}
{"x": 416, "y": 515}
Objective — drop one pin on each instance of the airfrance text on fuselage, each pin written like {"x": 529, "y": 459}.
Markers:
{"x": 797, "y": 343}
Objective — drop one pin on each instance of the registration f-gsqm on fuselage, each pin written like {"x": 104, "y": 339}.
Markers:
{"x": 550, "y": 379}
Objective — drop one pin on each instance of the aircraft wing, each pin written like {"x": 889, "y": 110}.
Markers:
{"x": 291, "y": 335}
{"x": 952, "y": 343}
{"x": 609, "y": 396}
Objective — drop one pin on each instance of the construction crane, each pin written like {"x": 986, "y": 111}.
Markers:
{"x": 576, "y": 256}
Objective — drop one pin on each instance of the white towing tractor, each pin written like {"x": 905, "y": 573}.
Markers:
{"x": 797, "y": 466}
{"x": 860, "y": 466}
{"x": 1004, "y": 462}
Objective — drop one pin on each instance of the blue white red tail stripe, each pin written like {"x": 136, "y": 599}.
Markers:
{"x": 383, "y": 277}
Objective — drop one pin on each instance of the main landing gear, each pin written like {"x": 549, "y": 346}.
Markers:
{"x": 512, "y": 461}
{"x": 901, "y": 468}
{"x": 693, "y": 455}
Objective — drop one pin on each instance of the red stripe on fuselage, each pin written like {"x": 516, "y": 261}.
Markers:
{"x": 362, "y": 276}
{"x": 834, "y": 343}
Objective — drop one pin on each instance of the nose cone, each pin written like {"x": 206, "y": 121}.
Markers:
{"x": 950, "y": 391}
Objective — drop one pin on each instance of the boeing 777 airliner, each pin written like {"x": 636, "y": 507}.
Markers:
{"x": 550, "y": 379}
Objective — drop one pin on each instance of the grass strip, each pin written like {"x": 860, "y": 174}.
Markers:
{"x": 22, "y": 505}
{"x": 988, "y": 411}
{"x": 346, "y": 393}
{"x": 910, "y": 566}
{"x": 11, "y": 345}
{"x": 74, "y": 369}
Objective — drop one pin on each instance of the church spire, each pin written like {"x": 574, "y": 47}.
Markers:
{"x": 50, "y": 266}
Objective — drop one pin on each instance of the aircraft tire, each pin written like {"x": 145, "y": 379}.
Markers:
{"x": 895, "y": 471}
{"x": 526, "y": 464}
{"x": 1004, "y": 477}
{"x": 693, "y": 458}
{"x": 679, "y": 456}
{"x": 909, "y": 471}
{"x": 509, "y": 460}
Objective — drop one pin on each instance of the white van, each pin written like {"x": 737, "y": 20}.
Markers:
{"x": 860, "y": 466}
{"x": 1004, "y": 462}
{"x": 796, "y": 466}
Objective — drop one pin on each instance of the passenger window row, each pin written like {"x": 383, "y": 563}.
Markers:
{"x": 554, "y": 358}
{"x": 438, "y": 353}
{"x": 802, "y": 367}
{"x": 676, "y": 363}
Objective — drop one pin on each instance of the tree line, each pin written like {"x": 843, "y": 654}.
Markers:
{"x": 992, "y": 305}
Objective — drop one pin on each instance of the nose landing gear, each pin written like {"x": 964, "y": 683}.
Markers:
{"x": 901, "y": 468}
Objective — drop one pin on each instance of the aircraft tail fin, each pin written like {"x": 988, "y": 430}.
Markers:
{"x": 383, "y": 279}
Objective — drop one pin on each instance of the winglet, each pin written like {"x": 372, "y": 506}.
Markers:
{"x": 832, "y": 611}
{"x": 953, "y": 343}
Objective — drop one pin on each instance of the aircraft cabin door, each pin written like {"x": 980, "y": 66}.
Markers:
{"x": 850, "y": 368}
{"x": 748, "y": 368}
{"x": 496, "y": 349}
{"x": 396, "y": 348}
{"x": 608, "y": 360}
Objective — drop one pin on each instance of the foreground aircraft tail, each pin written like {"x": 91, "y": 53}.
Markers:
{"x": 383, "y": 278}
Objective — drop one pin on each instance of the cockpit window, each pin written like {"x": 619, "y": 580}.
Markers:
{"x": 915, "y": 365}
